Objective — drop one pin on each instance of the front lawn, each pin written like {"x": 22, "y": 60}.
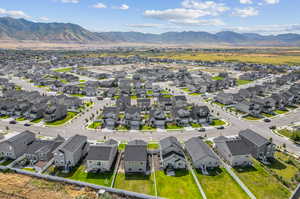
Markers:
{"x": 6, "y": 162}
{"x": 70, "y": 115}
{"x": 267, "y": 115}
{"x": 136, "y": 183}
{"x": 122, "y": 128}
{"x": 292, "y": 134}
{"x": 121, "y": 147}
{"x": 194, "y": 94}
{"x": 4, "y": 116}
{"x": 173, "y": 127}
{"x": 219, "y": 104}
{"x": 217, "y": 78}
{"x": 280, "y": 111}
{"x": 79, "y": 174}
{"x": 77, "y": 95}
{"x": 181, "y": 186}
{"x": 243, "y": 82}
{"x": 195, "y": 125}
{"x": 29, "y": 169}
{"x": 251, "y": 118}
{"x": 220, "y": 185}
{"x": 20, "y": 119}
{"x": 95, "y": 125}
{"x": 148, "y": 128}
{"x": 261, "y": 183}
{"x": 62, "y": 70}
{"x": 36, "y": 120}
{"x": 217, "y": 123}
{"x": 153, "y": 145}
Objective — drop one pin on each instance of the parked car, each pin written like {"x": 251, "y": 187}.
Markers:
{"x": 12, "y": 122}
{"x": 26, "y": 124}
{"x": 220, "y": 127}
{"x": 201, "y": 130}
{"x": 267, "y": 120}
{"x": 272, "y": 127}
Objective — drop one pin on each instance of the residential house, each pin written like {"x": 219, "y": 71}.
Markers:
{"x": 200, "y": 114}
{"x": 136, "y": 157}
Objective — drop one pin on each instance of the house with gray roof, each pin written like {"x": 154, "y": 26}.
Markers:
{"x": 201, "y": 155}
{"x": 260, "y": 147}
{"x": 136, "y": 157}
{"x": 233, "y": 150}
{"x": 16, "y": 146}
{"x": 200, "y": 114}
{"x": 171, "y": 154}
{"x": 100, "y": 158}
{"x": 55, "y": 112}
{"x": 69, "y": 153}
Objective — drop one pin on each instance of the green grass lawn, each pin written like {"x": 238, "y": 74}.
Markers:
{"x": 29, "y": 169}
{"x": 280, "y": 111}
{"x": 36, "y": 120}
{"x": 136, "y": 183}
{"x": 217, "y": 123}
{"x": 153, "y": 145}
{"x": 122, "y": 128}
{"x": 82, "y": 81}
{"x": 167, "y": 96}
{"x": 148, "y": 128}
{"x": 219, "y": 104}
{"x": 134, "y": 97}
{"x": 4, "y": 116}
{"x": 262, "y": 184}
{"x": 267, "y": 115}
{"x": 78, "y": 95}
{"x": 251, "y": 118}
{"x": 286, "y": 168}
{"x": 20, "y": 119}
{"x": 121, "y": 146}
{"x": 79, "y": 174}
{"x": 69, "y": 116}
{"x": 285, "y": 132}
{"x": 88, "y": 104}
{"x": 186, "y": 89}
{"x": 194, "y": 94}
{"x": 173, "y": 127}
{"x": 195, "y": 125}
{"x": 149, "y": 92}
{"x": 95, "y": 125}
{"x": 62, "y": 70}
{"x": 181, "y": 186}
{"x": 217, "y": 78}
{"x": 220, "y": 185}
{"x": 243, "y": 82}
{"x": 6, "y": 162}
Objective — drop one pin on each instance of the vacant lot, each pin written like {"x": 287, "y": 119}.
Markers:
{"x": 135, "y": 182}
{"x": 219, "y": 185}
{"x": 261, "y": 183}
{"x": 182, "y": 186}
{"x": 286, "y": 168}
{"x": 15, "y": 186}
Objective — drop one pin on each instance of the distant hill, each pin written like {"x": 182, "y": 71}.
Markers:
{"x": 21, "y": 29}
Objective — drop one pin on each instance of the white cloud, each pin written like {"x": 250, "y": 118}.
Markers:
{"x": 99, "y": 5}
{"x": 210, "y": 7}
{"x": 13, "y": 13}
{"x": 246, "y": 1}
{"x": 43, "y": 18}
{"x": 268, "y": 29}
{"x": 198, "y": 22}
{"x": 271, "y": 1}
{"x": 70, "y": 1}
{"x": 175, "y": 14}
{"x": 245, "y": 12}
{"x": 123, "y": 7}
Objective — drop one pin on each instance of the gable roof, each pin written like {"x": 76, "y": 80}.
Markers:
{"x": 135, "y": 153}
{"x": 198, "y": 150}
{"x": 253, "y": 137}
{"x": 73, "y": 142}
{"x": 100, "y": 152}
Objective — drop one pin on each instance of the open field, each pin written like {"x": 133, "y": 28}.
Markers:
{"x": 135, "y": 182}
{"x": 262, "y": 184}
{"x": 178, "y": 187}
{"x": 219, "y": 185}
{"x": 15, "y": 186}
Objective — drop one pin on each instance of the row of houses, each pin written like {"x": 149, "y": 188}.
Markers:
{"x": 32, "y": 105}
{"x": 173, "y": 155}
{"x": 264, "y": 98}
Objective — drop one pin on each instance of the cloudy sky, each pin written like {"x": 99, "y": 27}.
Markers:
{"x": 156, "y": 16}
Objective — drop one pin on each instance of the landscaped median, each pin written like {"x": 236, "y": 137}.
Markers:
{"x": 262, "y": 184}
{"x": 220, "y": 185}
{"x": 217, "y": 122}
{"x": 95, "y": 125}
{"x": 70, "y": 115}
{"x": 294, "y": 135}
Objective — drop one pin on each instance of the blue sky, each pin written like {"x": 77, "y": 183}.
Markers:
{"x": 156, "y": 16}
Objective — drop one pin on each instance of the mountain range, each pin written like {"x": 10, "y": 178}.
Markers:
{"x": 21, "y": 29}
